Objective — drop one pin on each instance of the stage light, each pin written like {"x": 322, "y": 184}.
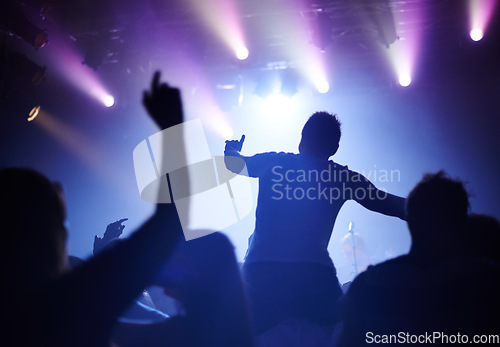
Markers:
{"x": 15, "y": 21}
{"x": 100, "y": 94}
{"x": 33, "y": 113}
{"x": 476, "y": 34}
{"x": 108, "y": 100}
{"x": 480, "y": 14}
{"x": 313, "y": 67}
{"x": 223, "y": 18}
{"x": 242, "y": 53}
{"x": 322, "y": 86}
{"x": 68, "y": 66}
{"x": 404, "y": 53}
{"x": 404, "y": 80}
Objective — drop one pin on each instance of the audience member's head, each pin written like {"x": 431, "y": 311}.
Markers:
{"x": 33, "y": 213}
{"x": 437, "y": 212}
{"x": 320, "y": 135}
{"x": 204, "y": 276}
{"x": 483, "y": 237}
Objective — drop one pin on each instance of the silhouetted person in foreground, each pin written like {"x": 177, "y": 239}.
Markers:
{"x": 433, "y": 293}
{"x": 287, "y": 269}
{"x": 44, "y": 306}
{"x": 41, "y": 303}
{"x": 142, "y": 309}
{"x": 204, "y": 276}
{"x": 483, "y": 237}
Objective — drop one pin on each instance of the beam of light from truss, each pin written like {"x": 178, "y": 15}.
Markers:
{"x": 68, "y": 64}
{"x": 71, "y": 139}
{"x": 403, "y": 53}
{"x": 199, "y": 96}
{"x": 223, "y": 18}
{"x": 480, "y": 13}
{"x": 308, "y": 59}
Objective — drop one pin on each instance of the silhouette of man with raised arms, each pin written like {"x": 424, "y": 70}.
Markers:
{"x": 287, "y": 269}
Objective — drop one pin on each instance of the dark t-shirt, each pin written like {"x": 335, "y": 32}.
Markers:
{"x": 404, "y": 299}
{"x": 298, "y": 202}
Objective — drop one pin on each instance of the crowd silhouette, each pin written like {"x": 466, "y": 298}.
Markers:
{"x": 286, "y": 292}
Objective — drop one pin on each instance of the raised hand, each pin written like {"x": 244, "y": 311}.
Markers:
{"x": 114, "y": 230}
{"x": 163, "y": 103}
{"x": 234, "y": 145}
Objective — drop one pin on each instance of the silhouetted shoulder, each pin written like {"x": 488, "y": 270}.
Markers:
{"x": 402, "y": 294}
{"x": 262, "y": 163}
{"x": 338, "y": 166}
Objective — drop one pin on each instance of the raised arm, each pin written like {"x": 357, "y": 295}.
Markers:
{"x": 90, "y": 298}
{"x": 374, "y": 199}
{"x": 235, "y": 162}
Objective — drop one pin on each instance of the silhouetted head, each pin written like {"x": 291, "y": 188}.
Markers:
{"x": 437, "y": 211}
{"x": 320, "y": 135}
{"x": 32, "y": 215}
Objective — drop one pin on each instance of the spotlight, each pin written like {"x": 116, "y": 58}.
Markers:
{"x": 322, "y": 86}
{"x": 12, "y": 19}
{"x": 108, "y": 100}
{"x": 404, "y": 80}
{"x": 242, "y": 53}
{"x": 476, "y": 34}
{"x": 481, "y": 13}
{"x": 33, "y": 113}
{"x": 102, "y": 96}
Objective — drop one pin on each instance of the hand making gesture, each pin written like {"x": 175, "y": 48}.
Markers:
{"x": 163, "y": 103}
